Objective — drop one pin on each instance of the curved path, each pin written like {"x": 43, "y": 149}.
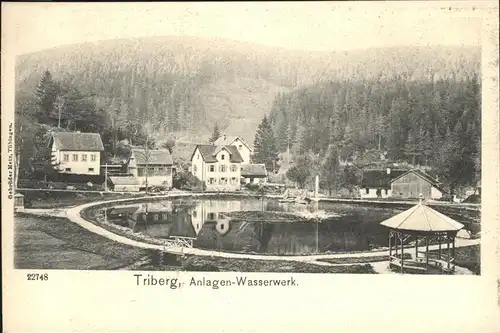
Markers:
{"x": 73, "y": 214}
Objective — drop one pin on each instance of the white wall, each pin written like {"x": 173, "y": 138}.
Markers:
{"x": 197, "y": 166}
{"x": 201, "y": 170}
{"x": 435, "y": 193}
{"x": 79, "y": 166}
{"x": 243, "y": 150}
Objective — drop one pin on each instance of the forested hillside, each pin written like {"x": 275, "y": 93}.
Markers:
{"x": 428, "y": 123}
{"x": 416, "y": 104}
{"x": 188, "y": 84}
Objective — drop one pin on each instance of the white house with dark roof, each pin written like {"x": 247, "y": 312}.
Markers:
{"x": 76, "y": 153}
{"x": 151, "y": 165}
{"x": 243, "y": 147}
{"x": 218, "y": 167}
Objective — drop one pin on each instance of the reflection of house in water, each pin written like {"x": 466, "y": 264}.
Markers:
{"x": 213, "y": 212}
{"x": 162, "y": 219}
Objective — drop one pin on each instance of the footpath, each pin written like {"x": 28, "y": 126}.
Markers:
{"x": 73, "y": 215}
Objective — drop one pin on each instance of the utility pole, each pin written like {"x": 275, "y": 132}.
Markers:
{"x": 106, "y": 177}
{"x": 146, "y": 153}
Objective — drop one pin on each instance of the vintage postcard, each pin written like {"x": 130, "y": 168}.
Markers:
{"x": 248, "y": 167}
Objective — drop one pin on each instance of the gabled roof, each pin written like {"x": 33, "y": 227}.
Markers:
{"x": 75, "y": 141}
{"x": 253, "y": 170}
{"x": 116, "y": 180}
{"x": 428, "y": 178}
{"x": 373, "y": 178}
{"x": 152, "y": 156}
{"x": 227, "y": 140}
{"x": 422, "y": 218}
{"x": 208, "y": 153}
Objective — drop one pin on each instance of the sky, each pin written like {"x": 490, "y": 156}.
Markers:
{"x": 318, "y": 26}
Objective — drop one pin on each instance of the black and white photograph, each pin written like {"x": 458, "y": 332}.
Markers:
{"x": 263, "y": 138}
{"x": 207, "y": 153}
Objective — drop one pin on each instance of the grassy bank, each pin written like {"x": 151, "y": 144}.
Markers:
{"x": 48, "y": 199}
{"x": 467, "y": 256}
{"x": 56, "y": 243}
{"x": 359, "y": 260}
{"x": 217, "y": 264}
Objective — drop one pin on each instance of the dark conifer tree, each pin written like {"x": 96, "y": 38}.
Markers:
{"x": 215, "y": 134}
{"x": 265, "y": 149}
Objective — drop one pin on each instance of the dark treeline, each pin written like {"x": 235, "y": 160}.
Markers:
{"x": 161, "y": 81}
{"x": 436, "y": 124}
{"x": 409, "y": 102}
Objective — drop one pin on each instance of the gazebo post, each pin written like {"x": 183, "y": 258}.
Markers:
{"x": 426, "y": 253}
{"x": 396, "y": 243}
{"x": 439, "y": 242}
{"x": 448, "y": 246}
{"x": 390, "y": 245}
{"x": 402, "y": 252}
{"x": 454, "y": 255}
{"x": 416, "y": 247}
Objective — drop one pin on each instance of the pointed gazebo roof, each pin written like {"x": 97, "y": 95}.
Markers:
{"x": 422, "y": 218}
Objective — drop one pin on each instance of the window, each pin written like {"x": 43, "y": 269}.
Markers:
{"x": 367, "y": 190}
{"x": 234, "y": 168}
{"x": 84, "y": 157}
{"x": 222, "y": 227}
{"x": 211, "y": 216}
{"x": 221, "y": 215}
{"x": 140, "y": 172}
{"x": 67, "y": 169}
{"x": 211, "y": 168}
{"x": 234, "y": 181}
{"x": 151, "y": 171}
{"x": 223, "y": 181}
{"x": 195, "y": 169}
{"x": 92, "y": 158}
{"x": 211, "y": 181}
{"x": 161, "y": 170}
{"x": 222, "y": 157}
{"x": 155, "y": 217}
{"x": 386, "y": 192}
{"x": 75, "y": 157}
{"x": 222, "y": 168}
{"x": 91, "y": 169}
{"x": 66, "y": 157}
{"x": 240, "y": 146}
{"x": 194, "y": 213}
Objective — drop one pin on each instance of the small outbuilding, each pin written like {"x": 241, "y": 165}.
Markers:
{"x": 124, "y": 184}
{"x": 414, "y": 183}
{"x": 254, "y": 173}
{"x": 427, "y": 227}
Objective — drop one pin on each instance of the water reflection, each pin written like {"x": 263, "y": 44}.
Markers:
{"x": 352, "y": 228}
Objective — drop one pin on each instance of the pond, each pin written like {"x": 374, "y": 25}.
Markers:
{"x": 254, "y": 225}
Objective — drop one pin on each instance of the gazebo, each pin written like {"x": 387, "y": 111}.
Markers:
{"x": 422, "y": 223}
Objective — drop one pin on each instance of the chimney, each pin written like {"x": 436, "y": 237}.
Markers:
{"x": 224, "y": 136}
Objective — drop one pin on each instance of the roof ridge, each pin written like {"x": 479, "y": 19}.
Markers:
{"x": 410, "y": 214}
{"x": 425, "y": 215}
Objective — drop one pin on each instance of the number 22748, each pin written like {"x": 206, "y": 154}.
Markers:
{"x": 37, "y": 277}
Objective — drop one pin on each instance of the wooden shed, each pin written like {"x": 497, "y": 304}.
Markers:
{"x": 415, "y": 184}
{"x": 124, "y": 184}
